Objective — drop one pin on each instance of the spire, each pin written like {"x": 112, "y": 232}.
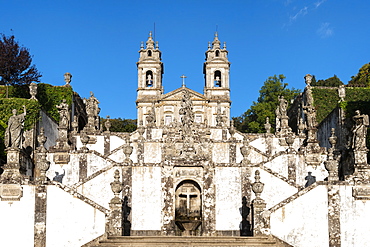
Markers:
{"x": 150, "y": 42}
{"x": 216, "y": 44}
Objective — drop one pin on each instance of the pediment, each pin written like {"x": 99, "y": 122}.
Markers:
{"x": 177, "y": 94}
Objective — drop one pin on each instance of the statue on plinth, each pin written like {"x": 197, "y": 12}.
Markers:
{"x": 360, "y": 131}
{"x": 14, "y": 131}
{"x": 63, "y": 114}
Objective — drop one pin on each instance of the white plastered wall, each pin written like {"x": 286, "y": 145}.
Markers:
{"x": 228, "y": 198}
{"x": 146, "y": 198}
{"x": 18, "y": 219}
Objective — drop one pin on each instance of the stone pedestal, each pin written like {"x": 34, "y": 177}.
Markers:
{"x": 260, "y": 223}
{"x": 11, "y": 174}
{"x": 114, "y": 221}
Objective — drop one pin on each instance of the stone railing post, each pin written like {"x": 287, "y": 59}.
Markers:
{"x": 260, "y": 217}
{"x": 42, "y": 164}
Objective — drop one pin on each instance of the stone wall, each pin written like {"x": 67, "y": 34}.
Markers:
{"x": 304, "y": 220}
{"x": 50, "y": 127}
{"x": 18, "y": 219}
{"x": 146, "y": 199}
{"x": 228, "y": 189}
{"x": 71, "y": 221}
{"x": 354, "y": 219}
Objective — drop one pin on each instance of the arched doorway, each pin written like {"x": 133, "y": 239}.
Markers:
{"x": 188, "y": 207}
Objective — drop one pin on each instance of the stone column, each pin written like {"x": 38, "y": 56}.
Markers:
{"x": 40, "y": 216}
{"x": 107, "y": 125}
{"x": 209, "y": 202}
{"x": 292, "y": 174}
{"x": 114, "y": 221}
{"x": 168, "y": 207}
{"x": 334, "y": 216}
{"x": 261, "y": 217}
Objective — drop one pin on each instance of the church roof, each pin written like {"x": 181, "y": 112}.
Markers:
{"x": 177, "y": 94}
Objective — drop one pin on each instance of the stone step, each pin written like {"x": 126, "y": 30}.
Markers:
{"x": 160, "y": 241}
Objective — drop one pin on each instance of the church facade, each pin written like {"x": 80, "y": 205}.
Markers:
{"x": 186, "y": 171}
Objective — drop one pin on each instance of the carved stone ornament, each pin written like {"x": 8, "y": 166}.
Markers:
{"x": 14, "y": 131}
{"x": 127, "y": 150}
{"x": 84, "y": 140}
{"x": 308, "y": 79}
{"x": 360, "y": 131}
{"x": 341, "y": 92}
{"x": 107, "y": 124}
{"x": 33, "y": 90}
{"x": 63, "y": 109}
{"x": 268, "y": 125}
{"x": 68, "y": 78}
{"x": 11, "y": 192}
{"x": 116, "y": 187}
{"x": 257, "y": 186}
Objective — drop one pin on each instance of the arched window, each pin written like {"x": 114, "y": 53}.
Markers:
{"x": 217, "y": 78}
{"x": 149, "y": 79}
{"x": 217, "y": 53}
{"x": 149, "y": 53}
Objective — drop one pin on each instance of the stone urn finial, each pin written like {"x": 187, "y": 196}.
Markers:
{"x": 84, "y": 140}
{"x": 308, "y": 79}
{"x": 116, "y": 187}
{"x": 107, "y": 124}
{"x": 41, "y": 138}
{"x": 257, "y": 186}
{"x": 333, "y": 139}
{"x": 68, "y": 78}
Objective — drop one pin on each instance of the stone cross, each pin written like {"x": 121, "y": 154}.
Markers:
{"x": 188, "y": 193}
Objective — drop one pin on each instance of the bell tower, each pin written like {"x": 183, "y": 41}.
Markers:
{"x": 150, "y": 71}
{"x": 216, "y": 71}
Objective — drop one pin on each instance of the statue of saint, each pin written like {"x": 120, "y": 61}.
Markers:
{"x": 63, "y": 114}
{"x": 360, "y": 131}
{"x": 283, "y": 105}
{"x": 14, "y": 131}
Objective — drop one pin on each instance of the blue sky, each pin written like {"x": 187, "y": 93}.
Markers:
{"x": 98, "y": 42}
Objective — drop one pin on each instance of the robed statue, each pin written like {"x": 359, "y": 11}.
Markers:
{"x": 359, "y": 131}
{"x": 14, "y": 131}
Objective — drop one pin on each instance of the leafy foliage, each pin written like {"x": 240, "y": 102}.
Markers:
{"x": 253, "y": 120}
{"x": 325, "y": 101}
{"x": 362, "y": 78}
{"x": 121, "y": 125}
{"x": 15, "y": 63}
{"x": 333, "y": 81}
{"x": 49, "y": 96}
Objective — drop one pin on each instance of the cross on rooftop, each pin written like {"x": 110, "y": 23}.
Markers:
{"x": 183, "y": 80}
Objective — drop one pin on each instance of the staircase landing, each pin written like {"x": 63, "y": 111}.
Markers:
{"x": 160, "y": 241}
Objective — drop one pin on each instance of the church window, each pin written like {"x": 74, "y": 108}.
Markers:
{"x": 149, "y": 53}
{"x": 217, "y": 78}
{"x": 149, "y": 79}
{"x": 217, "y": 53}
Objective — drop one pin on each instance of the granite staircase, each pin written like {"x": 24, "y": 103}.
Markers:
{"x": 160, "y": 241}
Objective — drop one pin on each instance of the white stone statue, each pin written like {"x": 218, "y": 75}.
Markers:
{"x": 360, "y": 131}
{"x": 14, "y": 131}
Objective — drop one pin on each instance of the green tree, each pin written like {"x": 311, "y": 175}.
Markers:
{"x": 15, "y": 63}
{"x": 362, "y": 78}
{"x": 333, "y": 81}
{"x": 121, "y": 125}
{"x": 253, "y": 120}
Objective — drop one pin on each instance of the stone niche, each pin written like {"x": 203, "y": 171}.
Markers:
{"x": 188, "y": 207}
